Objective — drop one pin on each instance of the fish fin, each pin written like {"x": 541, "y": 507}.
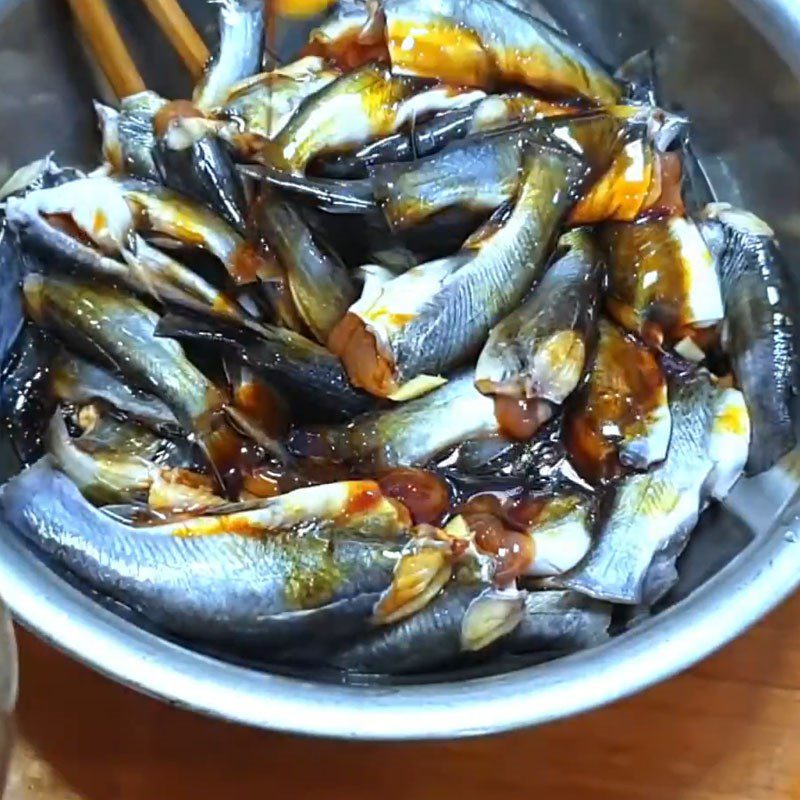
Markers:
{"x": 640, "y": 74}
{"x": 418, "y": 577}
{"x": 328, "y": 195}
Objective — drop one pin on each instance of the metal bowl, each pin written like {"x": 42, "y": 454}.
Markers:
{"x": 734, "y": 66}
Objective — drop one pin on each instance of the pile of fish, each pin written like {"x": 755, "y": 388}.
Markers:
{"x": 409, "y": 353}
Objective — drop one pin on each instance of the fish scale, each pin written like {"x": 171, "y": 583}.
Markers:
{"x": 228, "y": 587}
{"x": 653, "y": 513}
{"x": 758, "y": 331}
{"x": 457, "y": 320}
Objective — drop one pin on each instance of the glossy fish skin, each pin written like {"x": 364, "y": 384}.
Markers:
{"x": 429, "y": 639}
{"x": 161, "y": 211}
{"x": 261, "y": 106}
{"x": 241, "y": 42}
{"x": 757, "y": 332}
{"x": 76, "y": 380}
{"x": 320, "y": 284}
{"x": 137, "y": 135}
{"x": 100, "y": 225}
{"x": 653, "y": 514}
{"x": 483, "y": 170}
{"x": 431, "y": 136}
{"x": 330, "y": 195}
{"x": 640, "y": 181}
{"x": 201, "y": 168}
{"x": 662, "y": 279}
{"x": 120, "y": 328}
{"x": 425, "y": 139}
{"x": 407, "y": 435}
{"x": 305, "y": 371}
{"x": 26, "y": 403}
{"x": 111, "y": 147}
{"x": 386, "y": 305}
{"x": 477, "y": 44}
{"x": 479, "y": 174}
{"x": 455, "y": 322}
{"x": 104, "y": 476}
{"x": 621, "y": 419}
{"x": 344, "y": 36}
{"x": 270, "y": 585}
{"x": 541, "y": 349}
{"x": 356, "y": 107}
{"x": 11, "y": 269}
{"x": 550, "y": 621}
{"x": 560, "y": 621}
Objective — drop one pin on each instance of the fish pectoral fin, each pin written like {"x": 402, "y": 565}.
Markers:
{"x": 418, "y": 578}
{"x": 489, "y": 617}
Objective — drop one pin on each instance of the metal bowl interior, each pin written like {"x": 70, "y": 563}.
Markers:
{"x": 734, "y": 67}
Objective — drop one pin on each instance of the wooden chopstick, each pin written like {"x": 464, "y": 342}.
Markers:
{"x": 102, "y": 35}
{"x": 177, "y": 27}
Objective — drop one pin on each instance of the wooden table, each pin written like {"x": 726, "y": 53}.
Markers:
{"x": 728, "y": 729}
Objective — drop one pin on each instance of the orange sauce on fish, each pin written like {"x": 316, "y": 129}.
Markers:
{"x": 624, "y": 388}
{"x": 623, "y": 192}
{"x": 65, "y": 224}
{"x": 442, "y": 50}
{"x": 263, "y": 405}
{"x": 247, "y": 264}
{"x": 362, "y": 498}
{"x": 648, "y": 282}
{"x": 260, "y": 484}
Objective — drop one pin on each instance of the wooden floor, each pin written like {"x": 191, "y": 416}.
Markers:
{"x": 728, "y": 729}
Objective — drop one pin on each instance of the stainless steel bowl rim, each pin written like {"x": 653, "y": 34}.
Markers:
{"x": 740, "y": 594}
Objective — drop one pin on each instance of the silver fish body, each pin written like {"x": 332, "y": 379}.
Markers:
{"x": 367, "y": 103}
{"x": 483, "y": 171}
{"x": 104, "y": 475}
{"x": 201, "y": 167}
{"x": 76, "y": 380}
{"x": 758, "y": 333}
{"x": 136, "y": 135}
{"x": 311, "y": 376}
{"x": 238, "y": 56}
{"x": 261, "y": 106}
{"x": 85, "y": 227}
{"x": 654, "y": 513}
{"x": 478, "y": 43}
{"x": 560, "y": 622}
{"x": 256, "y": 581}
{"x": 455, "y": 322}
{"x": 428, "y": 137}
{"x": 549, "y": 622}
{"x": 540, "y": 350}
{"x": 320, "y": 285}
{"x": 121, "y": 330}
{"x": 408, "y": 435}
{"x": 429, "y": 639}
{"x": 479, "y": 174}
{"x": 159, "y": 210}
